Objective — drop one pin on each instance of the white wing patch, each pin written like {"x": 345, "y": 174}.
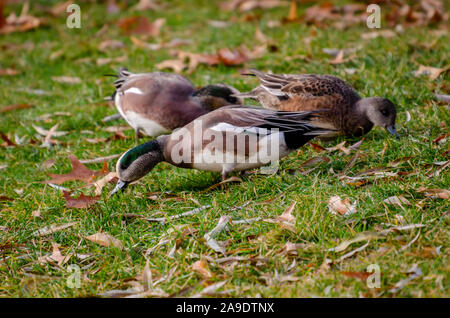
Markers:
{"x": 134, "y": 90}
{"x": 226, "y": 127}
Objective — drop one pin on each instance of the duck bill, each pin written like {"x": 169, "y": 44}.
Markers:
{"x": 392, "y": 130}
{"x": 121, "y": 185}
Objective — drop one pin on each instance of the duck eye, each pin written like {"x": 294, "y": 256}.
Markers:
{"x": 384, "y": 112}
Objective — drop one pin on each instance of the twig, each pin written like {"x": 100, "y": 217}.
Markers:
{"x": 111, "y": 118}
{"x": 173, "y": 217}
{"x": 100, "y": 159}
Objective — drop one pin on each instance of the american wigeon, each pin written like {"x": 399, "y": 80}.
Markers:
{"x": 157, "y": 103}
{"x": 232, "y": 138}
{"x": 347, "y": 112}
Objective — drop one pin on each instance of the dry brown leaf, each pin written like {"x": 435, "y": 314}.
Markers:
{"x": 435, "y": 193}
{"x": 110, "y": 44}
{"x": 109, "y": 60}
{"x": 432, "y": 72}
{"x": 339, "y": 147}
{"x": 46, "y": 230}
{"x": 37, "y": 213}
{"x": 201, "y": 267}
{"x": 79, "y": 203}
{"x": 147, "y": 5}
{"x": 232, "y": 57}
{"x": 196, "y": 59}
{"x": 9, "y": 108}
{"x": 317, "y": 147}
{"x": 79, "y": 172}
{"x": 176, "y": 65}
{"x": 314, "y": 161}
{"x": 99, "y": 184}
{"x": 60, "y": 8}
{"x": 397, "y": 200}
{"x": 359, "y": 275}
{"x": 286, "y": 219}
{"x": 8, "y": 72}
{"x": 376, "y": 34}
{"x": 22, "y": 23}
{"x": 67, "y": 79}
{"x": 343, "y": 207}
{"x": 292, "y": 16}
{"x": 8, "y": 141}
{"x": 104, "y": 239}
{"x": 248, "y": 5}
{"x": 141, "y": 26}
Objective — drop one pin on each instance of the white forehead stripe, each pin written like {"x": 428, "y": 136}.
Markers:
{"x": 134, "y": 90}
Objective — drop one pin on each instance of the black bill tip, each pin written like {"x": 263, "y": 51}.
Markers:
{"x": 121, "y": 185}
{"x": 392, "y": 130}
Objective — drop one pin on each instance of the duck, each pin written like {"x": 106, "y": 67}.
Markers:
{"x": 348, "y": 113}
{"x": 156, "y": 103}
{"x": 231, "y": 138}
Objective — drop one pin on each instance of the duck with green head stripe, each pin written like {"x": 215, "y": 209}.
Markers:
{"x": 258, "y": 128}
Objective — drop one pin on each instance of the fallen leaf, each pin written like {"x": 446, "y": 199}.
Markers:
{"x": 210, "y": 290}
{"x": 359, "y": 275}
{"x": 56, "y": 256}
{"x": 286, "y": 219}
{"x": 46, "y": 230}
{"x": 414, "y": 271}
{"x": 109, "y": 60}
{"x": 432, "y": 72}
{"x": 339, "y": 147}
{"x": 343, "y": 207}
{"x": 364, "y": 236}
{"x": 22, "y": 23}
{"x": 435, "y": 193}
{"x": 375, "y": 34}
{"x": 314, "y": 161}
{"x": 79, "y": 172}
{"x": 292, "y": 15}
{"x": 99, "y": 184}
{"x": 176, "y": 65}
{"x": 201, "y": 267}
{"x": 232, "y": 57}
{"x": 67, "y": 79}
{"x": 248, "y": 5}
{"x": 210, "y": 236}
{"x": 8, "y": 71}
{"x": 81, "y": 202}
{"x": 37, "y": 213}
{"x": 397, "y": 200}
{"x": 111, "y": 45}
{"x": 146, "y": 5}
{"x": 141, "y": 26}
{"x": 8, "y": 141}
{"x": 104, "y": 239}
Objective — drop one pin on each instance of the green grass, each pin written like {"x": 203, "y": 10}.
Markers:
{"x": 384, "y": 67}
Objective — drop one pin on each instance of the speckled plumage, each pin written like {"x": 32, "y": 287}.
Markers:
{"x": 346, "y": 110}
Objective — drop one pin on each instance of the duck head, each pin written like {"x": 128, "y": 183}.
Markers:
{"x": 215, "y": 96}
{"x": 137, "y": 162}
{"x": 381, "y": 112}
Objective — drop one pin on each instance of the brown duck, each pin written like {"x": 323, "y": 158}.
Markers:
{"x": 157, "y": 103}
{"x": 347, "y": 112}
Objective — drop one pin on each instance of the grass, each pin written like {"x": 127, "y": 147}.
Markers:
{"x": 384, "y": 67}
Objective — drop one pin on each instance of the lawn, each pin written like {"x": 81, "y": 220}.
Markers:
{"x": 406, "y": 241}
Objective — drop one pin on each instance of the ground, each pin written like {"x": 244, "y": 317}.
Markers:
{"x": 382, "y": 67}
